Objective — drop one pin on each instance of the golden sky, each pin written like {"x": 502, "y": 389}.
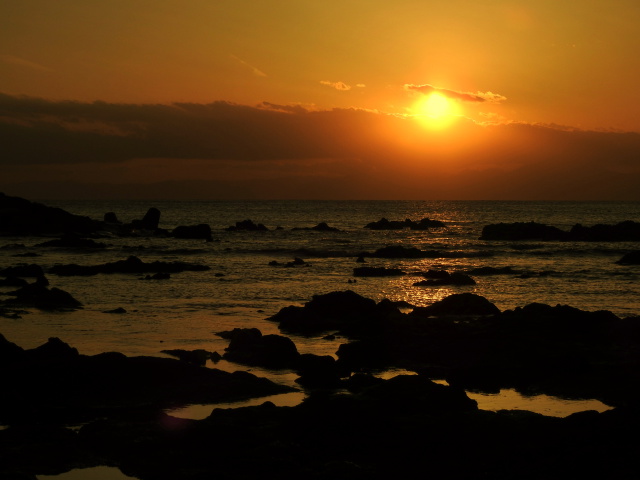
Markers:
{"x": 322, "y": 91}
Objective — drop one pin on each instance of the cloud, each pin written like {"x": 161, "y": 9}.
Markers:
{"x": 12, "y": 60}
{"x": 254, "y": 70}
{"x": 283, "y": 108}
{"x": 337, "y": 85}
{"x": 279, "y": 151}
{"x": 463, "y": 96}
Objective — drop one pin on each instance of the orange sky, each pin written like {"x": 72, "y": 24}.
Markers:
{"x": 298, "y": 99}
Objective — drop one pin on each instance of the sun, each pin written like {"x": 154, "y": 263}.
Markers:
{"x": 436, "y": 111}
{"x": 436, "y": 105}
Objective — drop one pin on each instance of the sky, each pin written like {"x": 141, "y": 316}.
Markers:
{"x": 350, "y": 99}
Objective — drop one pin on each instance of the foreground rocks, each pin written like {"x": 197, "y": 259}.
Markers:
{"x": 467, "y": 340}
{"x": 384, "y": 429}
{"x": 54, "y": 382}
{"x": 353, "y": 425}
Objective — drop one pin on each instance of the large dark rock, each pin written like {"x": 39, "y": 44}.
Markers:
{"x": 201, "y": 231}
{"x": 22, "y": 217}
{"x": 333, "y": 311}
{"x": 250, "y": 347}
{"x": 459, "y": 304}
{"x": 55, "y": 382}
{"x": 631, "y": 258}
{"x": 624, "y": 231}
{"x": 621, "y": 232}
{"x": 21, "y": 271}
{"x": 377, "y": 272}
{"x": 318, "y": 371}
{"x": 39, "y": 296}
{"x": 150, "y": 221}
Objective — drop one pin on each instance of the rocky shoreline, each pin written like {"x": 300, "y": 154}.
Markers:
{"x": 64, "y": 410}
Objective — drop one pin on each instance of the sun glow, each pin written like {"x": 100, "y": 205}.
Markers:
{"x": 436, "y": 111}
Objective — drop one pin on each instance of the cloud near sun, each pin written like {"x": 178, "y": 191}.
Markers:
{"x": 280, "y": 151}
{"x": 464, "y": 96}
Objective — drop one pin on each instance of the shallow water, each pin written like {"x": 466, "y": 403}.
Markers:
{"x": 242, "y": 289}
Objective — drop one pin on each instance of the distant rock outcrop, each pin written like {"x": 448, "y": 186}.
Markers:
{"x": 248, "y": 226}
{"x": 22, "y": 217}
{"x": 377, "y": 272}
{"x": 131, "y": 265}
{"x": 38, "y": 295}
{"x": 522, "y": 231}
{"x": 321, "y": 227}
{"x": 424, "y": 224}
{"x": 627, "y": 231}
{"x": 201, "y": 231}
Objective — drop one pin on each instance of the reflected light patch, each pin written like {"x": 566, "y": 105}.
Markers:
{"x": 436, "y": 111}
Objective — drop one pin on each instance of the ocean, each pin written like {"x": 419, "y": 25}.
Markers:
{"x": 243, "y": 286}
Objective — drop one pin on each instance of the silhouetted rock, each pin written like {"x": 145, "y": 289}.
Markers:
{"x": 247, "y": 225}
{"x": 56, "y": 383}
{"x": 39, "y": 296}
{"x": 196, "y": 357}
{"x": 377, "y": 272}
{"x": 110, "y": 217}
{"x": 250, "y": 347}
{"x": 23, "y": 270}
{"x": 522, "y": 231}
{"x": 459, "y": 304}
{"x": 424, "y": 224}
{"x": 318, "y": 371}
{"x": 332, "y": 311}
{"x": 622, "y": 232}
{"x": 435, "y": 274}
{"x": 321, "y": 227}
{"x": 22, "y": 217}
{"x": 455, "y": 278}
{"x": 9, "y": 351}
{"x": 296, "y": 262}
{"x": 150, "y": 221}
{"x": 12, "y": 281}
{"x": 631, "y": 258}
{"x": 131, "y": 265}
{"x": 118, "y": 310}
{"x": 201, "y": 231}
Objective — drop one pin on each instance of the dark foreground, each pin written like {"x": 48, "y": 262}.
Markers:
{"x": 353, "y": 425}
{"x": 64, "y": 410}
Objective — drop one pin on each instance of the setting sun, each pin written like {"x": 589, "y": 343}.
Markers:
{"x": 436, "y": 110}
{"x": 436, "y": 106}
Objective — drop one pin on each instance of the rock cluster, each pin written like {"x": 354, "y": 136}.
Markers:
{"x": 424, "y": 224}
{"x": 623, "y": 231}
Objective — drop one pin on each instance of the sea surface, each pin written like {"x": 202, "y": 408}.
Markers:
{"x": 242, "y": 289}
